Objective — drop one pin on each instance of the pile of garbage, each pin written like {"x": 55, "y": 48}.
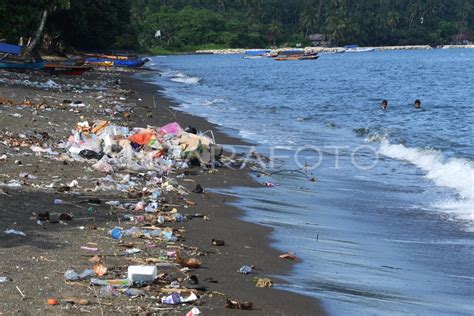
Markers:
{"x": 112, "y": 148}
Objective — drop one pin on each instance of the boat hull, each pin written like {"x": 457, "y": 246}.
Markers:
{"x": 58, "y": 69}
{"x": 5, "y": 64}
{"x": 128, "y": 63}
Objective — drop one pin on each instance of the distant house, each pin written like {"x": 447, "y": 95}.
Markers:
{"x": 318, "y": 40}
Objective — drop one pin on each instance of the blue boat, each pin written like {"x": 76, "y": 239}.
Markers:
{"x": 129, "y": 63}
{"x": 10, "y": 49}
{"x": 21, "y": 65}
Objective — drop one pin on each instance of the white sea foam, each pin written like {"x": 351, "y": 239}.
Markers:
{"x": 177, "y": 76}
{"x": 187, "y": 80}
{"x": 454, "y": 173}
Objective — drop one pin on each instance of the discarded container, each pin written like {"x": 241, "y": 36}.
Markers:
{"x": 142, "y": 273}
{"x": 52, "y": 301}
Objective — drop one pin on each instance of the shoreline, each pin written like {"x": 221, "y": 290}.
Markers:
{"x": 321, "y": 49}
{"x": 35, "y": 263}
{"x": 260, "y": 241}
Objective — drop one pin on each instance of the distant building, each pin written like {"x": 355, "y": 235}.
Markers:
{"x": 319, "y": 40}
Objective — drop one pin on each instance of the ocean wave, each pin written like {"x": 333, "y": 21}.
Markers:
{"x": 213, "y": 102}
{"x": 454, "y": 173}
{"x": 177, "y": 76}
{"x": 186, "y": 79}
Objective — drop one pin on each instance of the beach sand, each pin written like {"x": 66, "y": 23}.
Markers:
{"x": 35, "y": 264}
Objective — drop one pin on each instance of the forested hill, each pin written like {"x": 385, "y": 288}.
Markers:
{"x": 190, "y": 24}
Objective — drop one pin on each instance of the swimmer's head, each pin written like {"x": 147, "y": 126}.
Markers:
{"x": 384, "y": 104}
{"x": 417, "y": 104}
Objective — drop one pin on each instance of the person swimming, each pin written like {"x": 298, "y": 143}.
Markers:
{"x": 417, "y": 104}
{"x": 384, "y": 105}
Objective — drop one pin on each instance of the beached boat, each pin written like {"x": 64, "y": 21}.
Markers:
{"x": 252, "y": 54}
{"x": 21, "y": 65}
{"x": 128, "y": 63}
{"x": 62, "y": 69}
{"x": 10, "y": 49}
{"x": 98, "y": 62}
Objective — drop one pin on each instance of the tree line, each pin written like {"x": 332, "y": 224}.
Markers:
{"x": 190, "y": 24}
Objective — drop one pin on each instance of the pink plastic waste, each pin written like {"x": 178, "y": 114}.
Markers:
{"x": 171, "y": 128}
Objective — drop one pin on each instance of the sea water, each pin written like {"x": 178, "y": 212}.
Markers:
{"x": 388, "y": 227}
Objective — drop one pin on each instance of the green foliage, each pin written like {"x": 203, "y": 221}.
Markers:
{"x": 187, "y": 24}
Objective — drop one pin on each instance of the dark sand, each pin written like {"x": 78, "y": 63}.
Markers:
{"x": 36, "y": 263}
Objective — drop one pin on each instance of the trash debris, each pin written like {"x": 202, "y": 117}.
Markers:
{"x": 245, "y": 270}
{"x": 142, "y": 274}
{"x": 194, "y": 312}
{"x": 72, "y": 275}
{"x": 172, "y": 299}
{"x": 192, "y": 263}
{"x": 116, "y": 233}
{"x": 4, "y": 279}
{"x": 264, "y": 282}
{"x": 108, "y": 291}
{"x": 114, "y": 283}
{"x": 52, "y": 301}
{"x": 218, "y": 242}
{"x": 92, "y": 249}
{"x": 99, "y": 269}
{"x": 12, "y": 231}
{"x": 234, "y": 304}
{"x": 175, "y": 298}
{"x": 288, "y": 255}
{"x": 198, "y": 189}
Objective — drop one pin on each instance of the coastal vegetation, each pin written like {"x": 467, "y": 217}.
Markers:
{"x": 186, "y": 25}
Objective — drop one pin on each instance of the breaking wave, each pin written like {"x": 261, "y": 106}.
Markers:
{"x": 454, "y": 173}
{"x": 177, "y": 76}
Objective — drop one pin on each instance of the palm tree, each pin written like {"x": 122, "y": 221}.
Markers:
{"x": 274, "y": 29}
{"x": 336, "y": 28}
{"x": 392, "y": 20}
{"x": 307, "y": 21}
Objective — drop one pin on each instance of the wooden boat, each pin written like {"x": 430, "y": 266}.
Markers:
{"x": 21, "y": 65}
{"x": 128, "y": 63}
{"x": 113, "y": 54}
{"x": 62, "y": 69}
{"x": 295, "y": 55}
{"x": 98, "y": 62}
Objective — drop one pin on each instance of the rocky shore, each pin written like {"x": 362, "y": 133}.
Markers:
{"x": 319, "y": 49}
